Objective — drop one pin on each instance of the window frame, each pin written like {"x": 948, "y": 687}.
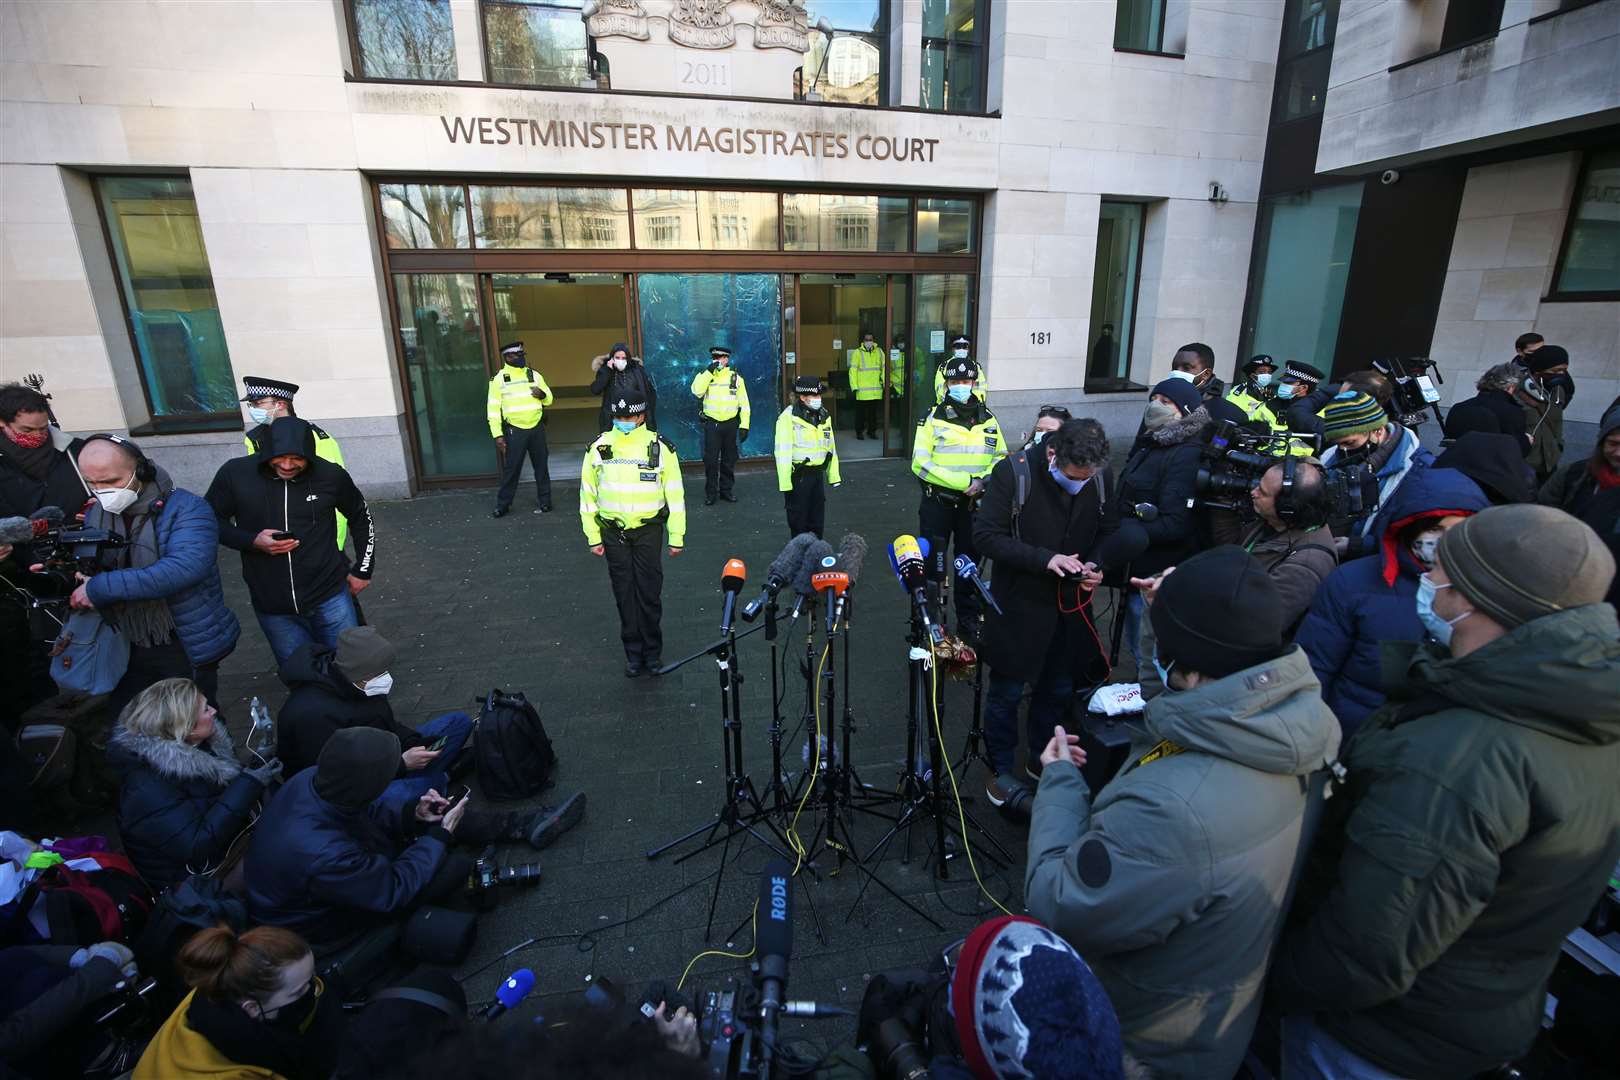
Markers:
{"x": 1554, "y": 295}
{"x": 357, "y": 55}
{"x": 981, "y": 17}
{"x": 591, "y": 55}
{"x": 879, "y": 37}
{"x": 1157, "y": 50}
{"x": 155, "y": 424}
{"x": 1125, "y": 345}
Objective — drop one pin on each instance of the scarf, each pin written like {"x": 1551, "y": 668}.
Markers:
{"x": 35, "y": 461}
{"x": 1601, "y": 472}
{"x": 143, "y": 622}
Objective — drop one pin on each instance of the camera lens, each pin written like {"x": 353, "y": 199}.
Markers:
{"x": 894, "y": 1050}
{"x": 521, "y": 874}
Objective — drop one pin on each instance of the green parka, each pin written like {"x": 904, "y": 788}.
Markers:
{"x": 1172, "y": 883}
{"x": 1478, "y": 824}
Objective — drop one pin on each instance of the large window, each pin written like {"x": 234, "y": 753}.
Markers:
{"x": 541, "y": 217}
{"x": 424, "y": 215}
{"x": 945, "y": 226}
{"x": 844, "y": 222}
{"x": 848, "y": 39}
{"x": 1590, "y": 261}
{"x": 954, "y": 35}
{"x": 1303, "y": 253}
{"x": 404, "y": 39}
{"x": 1113, "y": 297}
{"x": 1470, "y": 20}
{"x": 537, "y": 42}
{"x": 1304, "y": 59}
{"x": 168, "y": 294}
{"x": 705, "y": 220}
{"x": 1139, "y": 25}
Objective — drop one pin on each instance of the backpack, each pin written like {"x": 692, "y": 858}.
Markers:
{"x": 194, "y": 904}
{"x": 512, "y": 751}
{"x": 89, "y": 655}
{"x": 83, "y": 907}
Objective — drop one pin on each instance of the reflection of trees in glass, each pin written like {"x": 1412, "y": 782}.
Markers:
{"x": 847, "y": 69}
{"x": 536, "y": 44}
{"x": 405, "y": 39}
{"x": 543, "y": 217}
{"x": 424, "y": 216}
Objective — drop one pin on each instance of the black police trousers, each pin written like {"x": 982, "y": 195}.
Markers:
{"x": 806, "y": 501}
{"x": 941, "y": 523}
{"x": 719, "y": 456}
{"x": 635, "y": 560}
{"x": 521, "y": 442}
{"x": 868, "y": 414}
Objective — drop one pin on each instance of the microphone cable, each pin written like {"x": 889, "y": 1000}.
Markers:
{"x": 753, "y": 923}
{"x": 795, "y": 841}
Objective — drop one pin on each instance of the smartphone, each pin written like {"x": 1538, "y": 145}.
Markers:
{"x": 282, "y": 536}
{"x": 442, "y": 742}
{"x": 459, "y": 793}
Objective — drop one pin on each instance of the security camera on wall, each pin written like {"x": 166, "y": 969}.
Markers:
{"x": 1388, "y": 177}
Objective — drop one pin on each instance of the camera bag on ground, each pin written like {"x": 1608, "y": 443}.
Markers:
{"x": 440, "y": 936}
{"x": 90, "y": 655}
{"x": 79, "y": 752}
{"x": 513, "y": 753}
{"x": 82, "y": 907}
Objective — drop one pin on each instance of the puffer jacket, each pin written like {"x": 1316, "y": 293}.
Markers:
{"x": 1391, "y": 462}
{"x": 1163, "y": 470}
{"x": 1477, "y": 828}
{"x": 185, "y": 576}
{"x": 610, "y": 384}
{"x": 1373, "y": 599}
{"x": 329, "y": 873}
{"x": 1173, "y": 881}
{"x": 322, "y": 701}
{"x": 179, "y": 806}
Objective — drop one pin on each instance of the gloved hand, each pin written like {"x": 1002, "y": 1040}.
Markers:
{"x": 120, "y": 955}
{"x": 264, "y": 774}
{"x": 742, "y": 434}
{"x": 714, "y": 366}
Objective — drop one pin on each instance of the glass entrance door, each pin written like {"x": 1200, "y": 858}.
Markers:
{"x": 441, "y": 334}
{"x": 681, "y": 316}
{"x": 835, "y": 310}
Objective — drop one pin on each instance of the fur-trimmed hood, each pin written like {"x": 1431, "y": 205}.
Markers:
{"x": 1186, "y": 429}
{"x": 598, "y": 361}
{"x": 213, "y": 761}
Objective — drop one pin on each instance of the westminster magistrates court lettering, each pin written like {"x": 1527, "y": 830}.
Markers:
{"x": 746, "y": 142}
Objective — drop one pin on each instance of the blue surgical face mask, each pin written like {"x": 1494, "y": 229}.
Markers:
{"x": 1263, "y": 379}
{"x": 960, "y": 393}
{"x": 1438, "y": 628}
{"x": 1068, "y": 484}
{"x": 1286, "y": 390}
{"x": 258, "y": 415}
{"x": 1163, "y": 672}
{"x": 624, "y": 427}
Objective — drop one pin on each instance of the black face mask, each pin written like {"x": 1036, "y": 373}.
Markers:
{"x": 1560, "y": 386}
{"x": 1358, "y": 455}
{"x": 296, "y": 1016}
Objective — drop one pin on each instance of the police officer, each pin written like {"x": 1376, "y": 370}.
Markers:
{"x": 806, "y": 457}
{"x": 723, "y": 400}
{"x": 269, "y": 399}
{"x": 866, "y": 383}
{"x": 957, "y": 445}
{"x": 959, "y": 351}
{"x": 629, "y": 493}
{"x": 518, "y": 396}
{"x": 1253, "y": 394}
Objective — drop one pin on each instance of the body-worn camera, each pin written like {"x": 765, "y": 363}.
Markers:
{"x": 64, "y": 553}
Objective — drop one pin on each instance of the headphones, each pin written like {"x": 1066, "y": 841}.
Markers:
{"x": 145, "y": 471}
{"x": 1289, "y": 509}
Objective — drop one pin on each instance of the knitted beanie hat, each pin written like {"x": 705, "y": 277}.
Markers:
{"x": 1517, "y": 563}
{"x": 1026, "y": 1005}
{"x": 363, "y": 654}
{"x": 1218, "y": 614}
{"x": 1183, "y": 393}
{"x": 1353, "y": 413}
{"x": 356, "y": 765}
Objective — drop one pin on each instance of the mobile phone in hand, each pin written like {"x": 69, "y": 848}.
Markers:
{"x": 438, "y": 745}
{"x": 282, "y": 536}
{"x": 459, "y": 793}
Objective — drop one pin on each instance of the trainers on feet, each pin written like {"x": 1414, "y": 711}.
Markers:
{"x": 552, "y": 821}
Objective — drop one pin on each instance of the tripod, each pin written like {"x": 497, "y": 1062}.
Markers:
{"x": 920, "y": 795}
{"x": 741, "y": 807}
{"x": 974, "y": 749}
{"x": 776, "y": 792}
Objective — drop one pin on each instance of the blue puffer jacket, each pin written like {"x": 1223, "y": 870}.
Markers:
{"x": 186, "y": 575}
{"x": 329, "y": 873}
{"x": 1374, "y": 599}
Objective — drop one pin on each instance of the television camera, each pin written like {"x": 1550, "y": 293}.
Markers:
{"x": 1236, "y": 457}
{"x": 1415, "y": 395}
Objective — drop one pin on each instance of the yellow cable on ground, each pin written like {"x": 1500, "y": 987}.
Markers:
{"x": 794, "y": 840}
{"x": 961, "y": 815}
{"x": 753, "y": 928}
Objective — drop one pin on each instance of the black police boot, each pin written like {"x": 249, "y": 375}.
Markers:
{"x": 633, "y": 668}
{"x": 728, "y": 496}
{"x": 501, "y": 511}
{"x": 652, "y": 664}
{"x": 542, "y": 827}
{"x": 708, "y": 500}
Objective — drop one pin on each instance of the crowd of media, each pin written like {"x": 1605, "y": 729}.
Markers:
{"x": 1372, "y": 711}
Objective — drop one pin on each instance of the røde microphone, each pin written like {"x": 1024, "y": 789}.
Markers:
{"x": 801, "y": 581}
{"x": 517, "y": 986}
{"x": 969, "y": 571}
{"x": 779, "y": 574}
{"x": 731, "y": 583}
{"x": 773, "y": 941}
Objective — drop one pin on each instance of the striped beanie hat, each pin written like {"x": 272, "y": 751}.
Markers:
{"x": 1352, "y": 413}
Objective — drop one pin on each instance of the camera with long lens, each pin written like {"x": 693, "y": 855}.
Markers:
{"x": 62, "y": 555}
{"x": 1234, "y": 458}
{"x": 1415, "y": 394}
{"x": 487, "y": 876}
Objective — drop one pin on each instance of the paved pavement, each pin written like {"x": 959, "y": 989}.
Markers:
{"x": 520, "y": 603}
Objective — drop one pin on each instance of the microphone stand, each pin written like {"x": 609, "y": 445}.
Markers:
{"x": 776, "y": 792}
{"x": 974, "y": 748}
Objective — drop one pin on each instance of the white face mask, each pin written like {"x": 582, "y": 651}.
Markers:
{"x": 618, "y": 363}
{"x": 117, "y": 500}
{"x": 379, "y": 686}
{"x": 813, "y": 403}
{"x": 1182, "y": 375}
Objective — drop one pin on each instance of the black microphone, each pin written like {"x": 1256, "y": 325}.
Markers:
{"x": 851, "y": 557}
{"x": 779, "y": 574}
{"x": 1122, "y": 547}
{"x": 967, "y": 569}
{"x": 773, "y": 941}
{"x": 731, "y": 583}
{"x": 801, "y": 581}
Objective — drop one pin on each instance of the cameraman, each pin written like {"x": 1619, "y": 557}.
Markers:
{"x": 1363, "y": 435}
{"x": 1172, "y": 880}
{"x": 1292, "y": 539}
{"x": 161, "y": 589}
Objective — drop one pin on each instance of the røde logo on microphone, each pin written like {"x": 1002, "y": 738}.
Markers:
{"x": 779, "y": 899}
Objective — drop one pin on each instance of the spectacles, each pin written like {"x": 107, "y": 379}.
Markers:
{"x": 1057, "y": 412}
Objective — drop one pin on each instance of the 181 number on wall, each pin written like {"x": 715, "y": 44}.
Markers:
{"x": 1040, "y": 337}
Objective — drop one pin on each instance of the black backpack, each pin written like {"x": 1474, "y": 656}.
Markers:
{"x": 511, "y": 748}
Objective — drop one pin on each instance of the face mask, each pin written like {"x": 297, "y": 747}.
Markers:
{"x": 117, "y": 500}
{"x": 1438, "y": 628}
{"x": 1263, "y": 379}
{"x": 959, "y": 354}
{"x": 960, "y": 394}
{"x": 1157, "y": 414}
{"x": 618, "y": 364}
{"x": 297, "y": 1014}
{"x": 1286, "y": 390}
{"x": 624, "y": 427}
{"x": 1560, "y": 387}
{"x": 1163, "y": 672}
{"x": 813, "y": 403}
{"x": 1423, "y": 548}
{"x": 258, "y": 415}
{"x": 379, "y": 686}
{"x": 1068, "y": 484}
{"x": 1183, "y": 376}
{"x": 31, "y": 441}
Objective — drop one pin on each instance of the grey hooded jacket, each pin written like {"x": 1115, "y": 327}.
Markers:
{"x": 1173, "y": 881}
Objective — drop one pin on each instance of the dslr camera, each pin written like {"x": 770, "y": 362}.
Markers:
{"x": 65, "y": 553}
{"x": 487, "y": 875}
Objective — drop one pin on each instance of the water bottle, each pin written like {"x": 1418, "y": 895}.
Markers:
{"x": 261, "y": 739}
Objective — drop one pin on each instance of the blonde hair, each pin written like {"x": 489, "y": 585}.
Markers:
{"x": 165, "y": 710}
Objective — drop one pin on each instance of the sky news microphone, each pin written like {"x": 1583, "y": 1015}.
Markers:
{"x": 773, "y": 941}
{"x": 968, "y": 570}
{"x": 517, "y": 986}
{"x": 732, "y": 577}
{"x": 801, "y": 581}
{"x": 779, "y": 574}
